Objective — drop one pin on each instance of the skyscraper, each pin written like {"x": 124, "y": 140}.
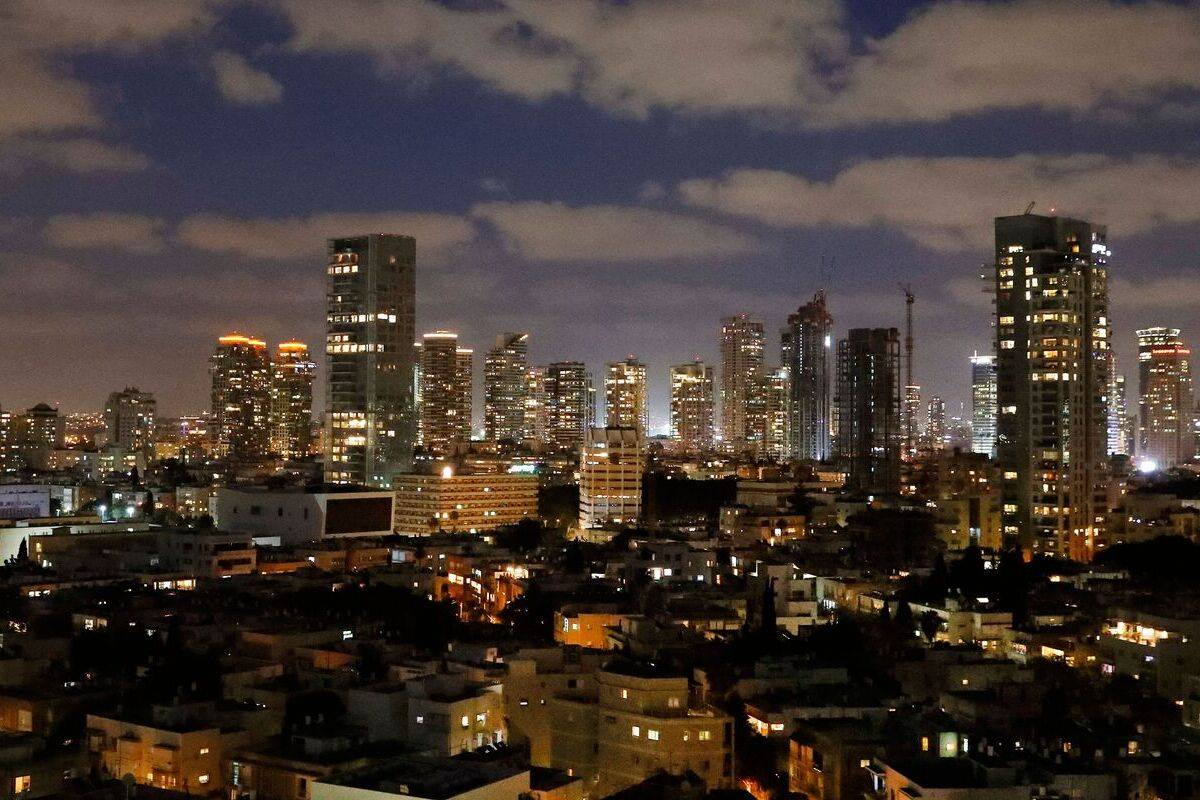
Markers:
{"x": 625, "y": 399}
{"x": 570, "y": 404}
{"x": 867, "y": 407}
{"x": 536, "y": 419}
{"x": 983, "y": 405}
{"x": 241, "y": 398}
{"x": 1120, "y": 439}
{"x": 806, "y": 345}
{"x": 935, "y": 424}
{"x": 910, "y": 420}
{"x": 1165, "y": 400}
{"x": 370, "y": 418}
{"x": 505, "y": 388}
{"x": 692, "y": 406}
{"x": 129, "y": 418}
{"x": 776, "y": 395}
{"x": 292, "y": 373}
{"x": 741, "y": 374}
{"x": 445, "y": 391}
{"x": 1052, "y": 344}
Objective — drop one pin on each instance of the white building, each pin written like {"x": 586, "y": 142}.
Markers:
{"x": 299, "y": 515}
{"x": 610, "y": 478}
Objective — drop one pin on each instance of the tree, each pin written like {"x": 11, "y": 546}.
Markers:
{"x": 904, "y": 618}
{"x": 148, "y": 505}
{"x": 930, "y": 624}
{"x": 23, "y": 552}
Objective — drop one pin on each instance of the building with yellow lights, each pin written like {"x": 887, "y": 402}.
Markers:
{"x": 292, "y": 373}
{"x": 458, "y": 503}
{"x": 610, "y": 478}
{"x": 241, "y": 397}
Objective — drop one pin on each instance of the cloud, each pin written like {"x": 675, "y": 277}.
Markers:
{"x": 134, "y": 233}
{"x": 1151, "y": 294}
{"x": 280, "y": 239}
{"x": 780, "y": 59}
{"x": 946, "y": 203}
{"x": 959, "y": 58}
{"x": 70, "y": 155}
{"x": 557, "y": 232}
{"x": 241, "y": 83}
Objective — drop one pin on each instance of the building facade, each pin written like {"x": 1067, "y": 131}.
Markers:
{"x": 867, "y": 408}
{"x": 1166, "y": 403}
{"x": 626, "y": 404}
{"x": 806, "y": 346}
{"x": 692, "y": 406}
{"x": 505, "y": 388}
{"x": 570, "y": 403}
{"x": 610, "y": 478}
{"x": 129, "y": 418}
{"x": 292, "y": 374}
{"x": 452, "y": 502}
{"x": 1052, "y": 345}
{"x": 241, "y": 398}
{"x": 741, "y": 375}
{"x": 445, "y": 408}
{"x": 370, "y": 420}
{"x": 983, "y": 405}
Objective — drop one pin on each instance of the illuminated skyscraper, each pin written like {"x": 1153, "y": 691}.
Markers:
{"x": 370, "y": 417}
{"x": 1052, "y": 343}
{"x": 983, "y": 405}
{"x": 867, "y": 406}
{"x": 806, "y": 347}
{"x": 570, "y": 404}
{"x": 692, "y": 406}
{"x": 129, "y": 418}
{"x": 10, "y": 459}
{"x": 935, "y": 424}
{"x": 741, "y": 374}
{"x": 445, "y": 391}
{"x": 1165, "y": 403}
{"x": 910, "y": 421}
{"x": 536, "y": 419}
{"x": 625, "y": 400}
{"x": 776, "y": 394}
{"x": 292, "y": 374}
{"x": 505, "y": 388}
{"x": 241, "y": 398}
{"x": 1120, "y": 438}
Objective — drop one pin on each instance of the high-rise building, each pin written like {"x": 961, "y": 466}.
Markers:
{"x": 867, "y": 407}
{"x": 10, "y": 456}
{"x": 241, "y": 398}
{"x": 1052, "y": 343}
{"x": 692, "y": 406}
{"x": 464, "y": 363}
{"x": 505, "y": 388}
{"x": 741, "y": 375}
{"x": 1166, "y": 403}
{"x": 983, "y": 405}
{"x": 570, "y": 404}
{"x": 535, "y": 419}
{"x": 806, "y": 346}
{"x": 292, "y": 373}
{"x": 776, "y": 395}
{"x": 910, "y": 421}
{"x": 129, "y": 418}
{"x": 625, "y": 400}
{"x": 610, "y": 478}
{"x": 445, "y": 391}
{"x": 935, "y": 424}
{"x": 370, "y": 416}
{"x": 1120, "y": 438}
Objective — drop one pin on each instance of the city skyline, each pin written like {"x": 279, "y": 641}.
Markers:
{"x": 156, "y": 200}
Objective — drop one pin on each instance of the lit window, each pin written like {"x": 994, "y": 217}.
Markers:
{"x": 704, "y": 736}
{"x": 21, "y": 784}
{"x": 635, "y": 731}
{"x": 466, "y": 721}
{"x": 202, "y": 778}
{"x": 652, "y": 735}
{"x": 420, "y": 719}
{"x": 203, "y": 751}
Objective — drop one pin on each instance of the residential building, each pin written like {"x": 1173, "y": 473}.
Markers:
{"x": 445, "y": 392}
{"x": 806, "y": 348}
{"x": 459, "y": 502}
{"x": 505, "y": 388}
{"x": 241, "y": 398}
{"x": 1166, "y": 403}
{"x": 625, "y": 400}
{"x": 370, "y": 420}
{"x": 292, "y": 373}
{"x": 1052, "y": 345}
{"x": 129, "y": 419}
{"x": 867, "y": 407}
{"x": 1120, "y": 431}
{"x": 741, "y": 375}
{"x": 692, "y": 406}
{"x": 570, "y": 404}
{"x": 610, "y": 478}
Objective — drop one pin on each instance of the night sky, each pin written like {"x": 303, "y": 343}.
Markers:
{"x": 613, "y": 177}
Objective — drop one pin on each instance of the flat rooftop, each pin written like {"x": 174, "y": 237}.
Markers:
{"x": 433, "y": 778}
